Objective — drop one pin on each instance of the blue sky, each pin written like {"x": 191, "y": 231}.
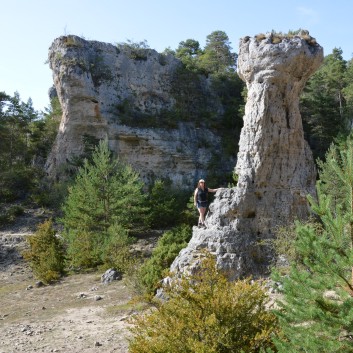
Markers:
{"x": 28, "y": 28}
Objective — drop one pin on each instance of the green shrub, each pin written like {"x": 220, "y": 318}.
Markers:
{"x": 15, "y": 183}
{"x": 168, "y": 247}
{"x": 91, "y": 249}
{"x": 50, "y": 194}
{"x": 46, "y": 253}
{"x": 116, "y": 250}
{"x": 165, "y": 205}
{"x": 190, "y": 214}
{"x": 9, "y": 215}
{"x": 83, "y": 248}
{"x": 162, "y": 205}
{"x": 206, "y": 314}
{"x": 284, "y": 246}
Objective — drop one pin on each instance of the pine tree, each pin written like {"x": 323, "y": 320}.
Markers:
{"x": 217, "y": 56}
{"x": 316, "y": 313}
{"x": 348, "y": 92}
{"x": 323, "y": 105}
{"x": 106, "y": 192}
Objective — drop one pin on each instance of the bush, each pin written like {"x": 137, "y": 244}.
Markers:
{"x": 190, "y": 214}
{"x": 206, "y": 314}
{"x": 9, "y": 215}
{"x": 284, "y": 246}
{"x": 116, "y": 250}
{"x": 46, "y": 253}
{"x": 50, "y": 194}
{"x": 165, "y": 205}
{"x": 168, "y": 247}
{"x": 83, "y": 248}
{"x": 16, "y": 183}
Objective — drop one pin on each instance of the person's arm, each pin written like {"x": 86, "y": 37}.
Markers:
{"x": 195, "y": 197}
{"x": 213, "y": 190}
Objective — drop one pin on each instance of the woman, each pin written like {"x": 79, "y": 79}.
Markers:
{"x": 201, "y": 200}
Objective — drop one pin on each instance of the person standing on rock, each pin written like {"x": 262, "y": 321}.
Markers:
{"x": 201, "y": 200}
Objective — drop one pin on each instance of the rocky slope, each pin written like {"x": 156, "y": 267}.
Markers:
{"x": 134, "y": 97}
{"x": 275, "y": 165}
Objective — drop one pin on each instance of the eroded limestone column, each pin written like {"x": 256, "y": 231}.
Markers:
{"x": 275, "y": 165}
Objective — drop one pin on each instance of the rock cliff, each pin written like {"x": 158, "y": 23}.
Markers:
{"x": 134, "y": 97}
{"x": 275, "y": 165}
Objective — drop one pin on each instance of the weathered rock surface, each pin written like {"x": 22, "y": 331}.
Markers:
{"x": 128, "y": 96}
{"x": 275, "y": 165}
{"x": 111, "y": 275}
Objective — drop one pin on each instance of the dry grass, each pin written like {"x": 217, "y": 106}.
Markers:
{"x": 278, "y": 37}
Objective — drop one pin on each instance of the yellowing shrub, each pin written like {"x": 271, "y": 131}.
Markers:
{"x": 46, "y": 253}
{"x": 206, "y": 314}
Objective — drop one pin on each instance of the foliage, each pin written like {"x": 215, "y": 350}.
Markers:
{"x": 46, "y": 253}
{"x": 190, "y": 101}
{"x": 9, "y": 214}
{"x": 75, "y": 162}
{"x": 49, "y": 193}
{"x": 188, "y": 52}
{"x": 100, "y": 71}
{"x": 16, "y": 182}
{"x": 278, "y": 37}
{"x": 347, "y": 91}
{"x": 324, "y": 109}
{"x": 234, "y": 180}
{"x": 44, "y": 131}
{"x": 168, "y": 247}
{"x": 15, "y": 153}
{"x": 190, "y": 214}
{"x": 335, "y": 158}
{"x": 229, "y": 88}
{"x": 284, "y": 246}
{"x": 217, "y": 56}
{"x": 116, "y": 250}
{"x": 165, "y": 204}
{"x": 25, "y": 139}
{"x": 316, "y": 312}
{"x": 106, "y": 192}
{"x": 135, "y": 50}
{"x": 206, "y": 313}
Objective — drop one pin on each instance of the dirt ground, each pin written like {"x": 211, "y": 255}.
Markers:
{"x": 77, "y": 315}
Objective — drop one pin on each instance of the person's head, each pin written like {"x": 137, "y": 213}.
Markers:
{"x": 201, "y": 183}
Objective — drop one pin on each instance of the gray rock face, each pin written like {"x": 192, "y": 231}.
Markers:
{"x": 122, "y": 94}
{"x": 275, "y": 165}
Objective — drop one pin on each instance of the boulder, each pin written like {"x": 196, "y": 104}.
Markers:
{"x": 110, "y": 276}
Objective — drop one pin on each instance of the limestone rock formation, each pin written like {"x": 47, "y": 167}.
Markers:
{"x": 275, "y": 165}
{"x": 128, "y": 95}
